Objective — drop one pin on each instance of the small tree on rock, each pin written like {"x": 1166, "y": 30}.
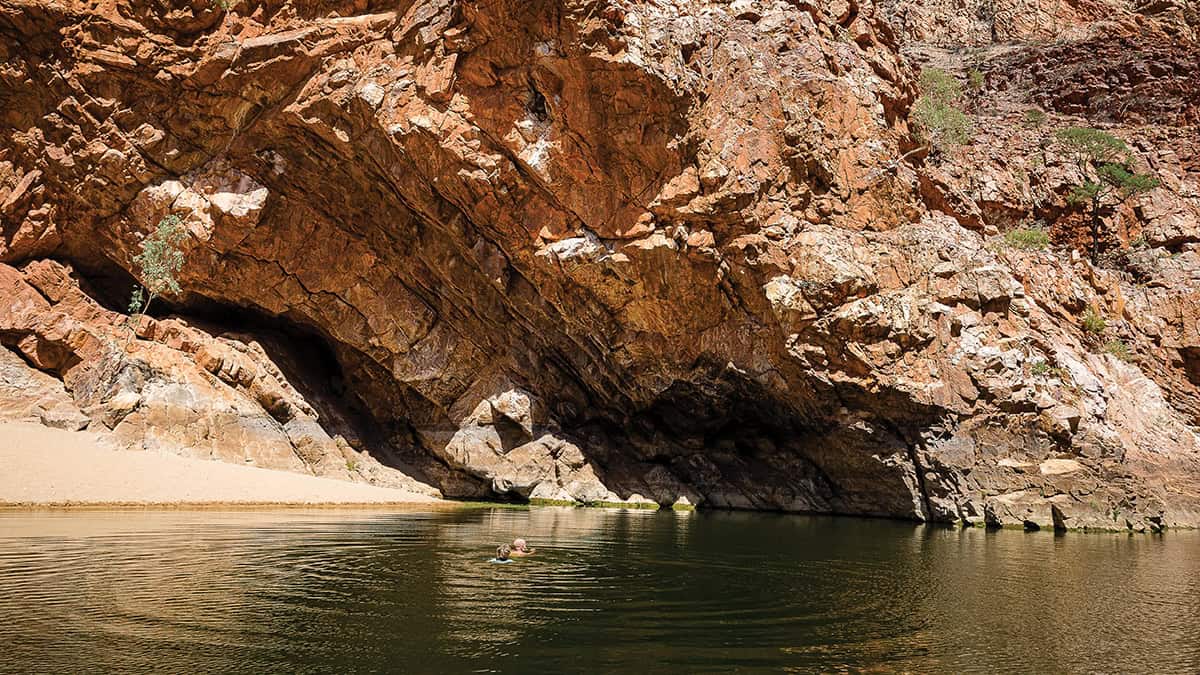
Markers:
{"x": 158, "y": 264}
{"x": 940, "y": 122}
{"x": 1104, "y": 161}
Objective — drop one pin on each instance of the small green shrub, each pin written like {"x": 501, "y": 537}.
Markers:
{"x": 1043, "y": 368}
{"x": 136, "y": 300}
{"x": 939, "y": 121}
{"x": 1028, "y": 238}
{"x": 351, "y": 466}
{"x": 975, "y": 80}
{"x": 939, "y": 85}
{"x": 1119, "y": 349}
{"x": 158, "y": 264}
{"x": 1093, "y": 322}
{"x": 943, "y": 126}
{"x": 161, "y": 259}
{"x": 1035, "y": 118}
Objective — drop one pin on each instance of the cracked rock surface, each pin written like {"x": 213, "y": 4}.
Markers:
{"x": 609, "y": 250}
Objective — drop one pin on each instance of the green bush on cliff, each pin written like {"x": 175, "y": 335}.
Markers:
{"x": 1104, "y": 162}
{"x": 1028, "y": 238}
{"x": 975, "y": 80}
{"x": 940, "y": 123}
{"x": 1093, "y": 322}
{"x": 1044, "y": 369}
{"x": 1119, "y": 349}
{"x": 939, "y": 85}
{"x": 158, "y": 264}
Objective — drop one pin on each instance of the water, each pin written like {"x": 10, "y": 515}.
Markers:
{"x": 638, "y": 592}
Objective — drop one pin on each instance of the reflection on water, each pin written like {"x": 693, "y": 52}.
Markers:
{"x": 337, "y": 591}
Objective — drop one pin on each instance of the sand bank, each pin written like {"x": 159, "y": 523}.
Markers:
{"x": 52, "y": 467}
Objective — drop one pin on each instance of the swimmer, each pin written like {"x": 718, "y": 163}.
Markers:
{"x": 502, "y": 553}
{"x": 520, "y": 548}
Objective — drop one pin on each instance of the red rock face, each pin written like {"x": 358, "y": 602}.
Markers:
{"x": 586, "y": 251}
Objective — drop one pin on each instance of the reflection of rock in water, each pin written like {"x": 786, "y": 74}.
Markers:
{"x": 353, "y": 591}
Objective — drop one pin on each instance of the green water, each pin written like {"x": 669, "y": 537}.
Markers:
{"x": 635, "y": 592}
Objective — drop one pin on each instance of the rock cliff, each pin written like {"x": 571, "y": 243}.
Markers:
{"x": 612, "y": 250}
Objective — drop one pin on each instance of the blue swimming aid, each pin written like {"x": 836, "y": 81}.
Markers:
{"x": 497, "y": 560}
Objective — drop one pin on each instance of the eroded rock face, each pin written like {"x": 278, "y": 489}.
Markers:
{"x": 975, "y": 23}
{"x": 160, "y": 385}
{"x": 591, "y": 251}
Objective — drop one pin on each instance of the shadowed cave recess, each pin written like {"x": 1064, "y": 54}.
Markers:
{"x": 717, "y": 440}
{"x": 720, "y": 441}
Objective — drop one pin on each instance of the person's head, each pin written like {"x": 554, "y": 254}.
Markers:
{"x": 519, "y": 545}
{"x": 502, "y": 551}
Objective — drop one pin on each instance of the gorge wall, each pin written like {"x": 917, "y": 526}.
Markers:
{"x": 612, "y": 251}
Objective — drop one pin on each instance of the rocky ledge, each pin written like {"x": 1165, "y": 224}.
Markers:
{"x": 617, "y": 251}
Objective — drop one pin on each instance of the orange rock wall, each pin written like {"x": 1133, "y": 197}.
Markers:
{"x": 608, "y": 250}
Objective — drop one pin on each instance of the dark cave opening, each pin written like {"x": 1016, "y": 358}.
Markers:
{"x": 353, "y": 396}
{"x": 109, "y": 284}
{"x": 718, "y": 434}
{"x": 722, "y": 410}
{"x": 537, "y": 104}
{"x": 305, "y": 356}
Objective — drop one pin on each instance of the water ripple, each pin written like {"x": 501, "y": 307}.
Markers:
{"x": 347, "y": 591}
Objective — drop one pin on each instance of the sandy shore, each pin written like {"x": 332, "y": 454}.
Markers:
{"x": 51, "y": 467}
